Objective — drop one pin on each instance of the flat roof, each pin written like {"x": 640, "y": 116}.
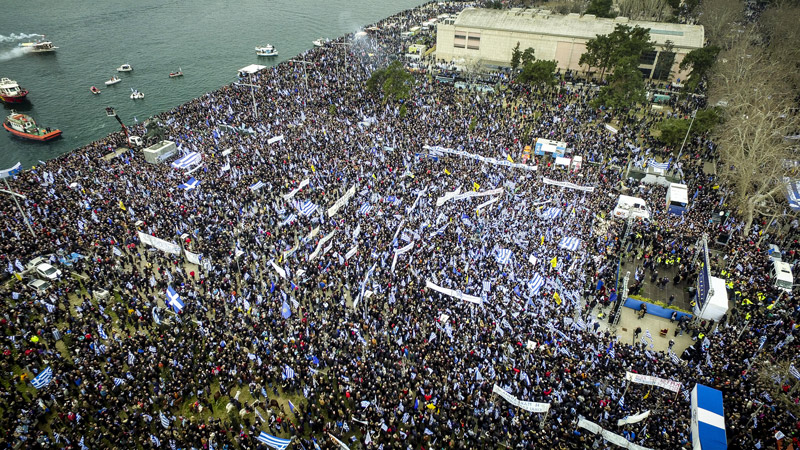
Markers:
{"x": 539, "y": 21}
{"x": 251, "y": 69}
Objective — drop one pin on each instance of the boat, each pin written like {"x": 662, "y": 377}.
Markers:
{"x": 113, "y": 80}
{"x": 124, "y": 68}
{"x": 23, "y": 125}
{"x": 136, "y": 95}
{"x": 267, "y": 50}
{"x": 10, "y": 92}
{"x": 179, "y": 73}
{"x": 320, "y": 42}
{"x": 40, "y": 46}
{"x": 94, "y": 90}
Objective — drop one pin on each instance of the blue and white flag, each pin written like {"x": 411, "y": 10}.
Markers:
{"x": 291, "y": 406}
{"x": 164, "y": 419}
{"x": 570, "y": 243}
{"x": 173, "y": 300}
{"x": 19, "y": 265}
{"x": 274, "y": 442}
{"x": 286, "y": 312}
{"x": 365, "y": 208}
{"x": 657, "y": 165}
{"x": 794, "y": 372}
{"x": 43, "y": 379}
{"x": 155, "y": 440}
{"x": 503, "y": 256}
{"x": 101, "y": 332}
{"x": 579, "y": 324}
{"x": 192, "y": 183}
{"x": 131, "y": 359}
{"x": 258, "y": 185}
{"x": 82, "y": 445}
{"x": 288, "y": 373}
{"x": 535, "y": 283}
{"x": 551, "y": 213}
{"x": 118, "y": 381}
{"x": 306, "y": 208}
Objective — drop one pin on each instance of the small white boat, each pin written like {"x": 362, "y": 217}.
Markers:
{"x": 136, "y": 95}
{"x": 179, "y": 73}
{"x": 40, "y": 46}
{"x": 113, "y": 80}
{"x": 94, "y": 90}
{"x": 267, "y": 50}
{"x": 319, "y": 42}
{"x": 124, "y": 68}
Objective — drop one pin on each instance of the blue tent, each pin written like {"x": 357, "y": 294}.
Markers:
{"x": 708, "y": 419}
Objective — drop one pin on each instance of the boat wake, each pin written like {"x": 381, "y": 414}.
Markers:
{"x": 17, "y": 37}
{"x": 6, "y": 55}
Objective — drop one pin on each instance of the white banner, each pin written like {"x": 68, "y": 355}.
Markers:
{"x": 669, "y": 385}
{"x": 342, "y": 201}
{"x": 274, "y": 139}
{"x": 609, "y": 436}
{"x": 487, "y": 203}
{"x": 311, "y": 234}
{"x": 498, "y": 162}
{"x": 440, "y": 201}
{"x": 611, "y": 129}
{"x": 633, "y": 419}
{"x": 320, "y": 244}
{"x": 453, "y": 293}
{"x": 478, "y": 194}
{"x": 527, "y": 406}
{"x": 160, "y": 244}
{"x": 290, "y": 251}
{"x": 193, "y": 258}
{"x": 400, "y": 251}
{"x": 303, "y": 184}
{"x": 278, "y": 269}
{"x": 567, "y": 184}
{"x": 350, "y": 253}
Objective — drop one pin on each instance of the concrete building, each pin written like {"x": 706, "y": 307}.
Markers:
{"x": 488, "y": 36}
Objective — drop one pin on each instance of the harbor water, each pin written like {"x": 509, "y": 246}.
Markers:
{"x": 208, "y": 40}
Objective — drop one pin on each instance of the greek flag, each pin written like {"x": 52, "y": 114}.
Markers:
{"x": 50, "y": 307}
{"x": 82, "y": 445}
{"x": 118, "y": 381}
{"x": 365, "y": 208}
{"x": 155, "y": 440}
{"x": 657, "y": 165}
{"x": 131, "y": 359}
{"x": 187, "y": 161}
{"x": 535, "y": 283}
{"x": 503, "y": 255}
{"x": 274, "y": 442}
{"x": 570, "y": 243}
{"x": 306, "y": 208}
{"x": 43, "y": 379}
{"x": 291, "y": 218}
{"x": 164, "y": 419}
{"x": 579, "y": 324}
{"x": 189, "y": 185}
{"x": 101, "y": 333}
{"x": 288, "y": 373}
{"x": 674, "y": 357}
{"x": 258, "y": 185}
{"x": 173, "y": 300}
{"x": 647, "y": 333}
{"x": 793, "y": 371}
{"x": 551, "y": 213}
{"x": 19, "y": 265}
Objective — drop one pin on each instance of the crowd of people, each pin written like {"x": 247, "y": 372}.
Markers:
{"x": 344, "y": 290}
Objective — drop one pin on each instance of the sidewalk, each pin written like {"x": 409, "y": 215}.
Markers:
{"x": 629, "y": 321}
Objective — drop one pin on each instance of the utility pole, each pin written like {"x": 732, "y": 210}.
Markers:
{"x": 252, "y": 94}
{"x": 345, "y": 50}
{"x": 305, "y": 73}
{"x": 694, "y": 114}
{"x": 4, "y": 174}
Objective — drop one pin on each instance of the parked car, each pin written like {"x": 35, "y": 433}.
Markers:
{"x": 40, "y": 286}
{"x": 36, "y": 262}
{"x": 47, "y": 271}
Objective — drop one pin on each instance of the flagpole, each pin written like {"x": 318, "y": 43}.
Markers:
{"x": 14, "y": 195}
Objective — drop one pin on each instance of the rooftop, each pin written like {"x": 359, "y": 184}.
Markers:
{"x": 588, "y": 26}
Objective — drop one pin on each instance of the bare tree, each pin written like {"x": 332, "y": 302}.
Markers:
{"x": 656, "y": 10}
{"x": 721, "y": 20}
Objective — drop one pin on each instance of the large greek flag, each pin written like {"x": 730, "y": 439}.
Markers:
{"x": 551, "y": 213}
{"x": 535, "y": 283}
{"x": 43, "y": 379}
{"x": 503, "y": 255}
{"x": 258, "y": 185}
{"x": 708, "y": 419}
{"x": 189, "y": 185}
{"x": 306, "y": 208}
{"x": 657, "y": 165}
{"x": 274, "y": 442}
{"x": 187, "y": 161}
{"x": 570, "y": 243}
{"x": 365, "y": 208}
{"x": 173, "y": 300}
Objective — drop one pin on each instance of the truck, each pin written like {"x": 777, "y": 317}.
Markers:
{"x": 628, "y": 206}
{"x": 781, "y": 275}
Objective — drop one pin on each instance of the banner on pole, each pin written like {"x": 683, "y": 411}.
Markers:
{"x": 527, "y": 406}
{"x": 669, "y": 385}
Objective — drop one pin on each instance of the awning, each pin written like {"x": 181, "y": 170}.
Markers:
{"x": 251, "y": 69}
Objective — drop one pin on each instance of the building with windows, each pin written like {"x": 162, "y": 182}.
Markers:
{"x": 488, "y": 36}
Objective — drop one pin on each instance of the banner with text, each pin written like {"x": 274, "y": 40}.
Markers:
{"x": 527, "y": 406}
{"x": 669, "y": 385}
{"x": 160, "y": 244}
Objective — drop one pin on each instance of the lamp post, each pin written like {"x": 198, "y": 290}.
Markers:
{"x": 345, "y": 50}
{"x": 252, "y": 94}
{"x": 694, "y": 114}
{"x": 4, "y": 174}
{"x": 305, "y": 73}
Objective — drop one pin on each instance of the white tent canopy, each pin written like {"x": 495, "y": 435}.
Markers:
{"x": 251, "y": 69}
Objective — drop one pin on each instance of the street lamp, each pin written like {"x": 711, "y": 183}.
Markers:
{"x": 4, "y": 174}
{"x": 345, "y": 50}
{"x": 304, "y": 63}
{"x": 694, "y": 114}
{"x": 252, "y": 94}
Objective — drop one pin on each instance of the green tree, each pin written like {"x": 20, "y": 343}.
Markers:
{"x": 516, "y": 57}
{"x": 605, "y": 51}
{"x": 527, "y": 56}
{"x": 601, "y": 8}
{"x": 625, "y": 86}
{"x": 394, "y": 82}
{"x": 700, "y": 60}
{"x": 538, "y": 72}
{"x": 673, "y": 131}
{"x": 598, "y": 54}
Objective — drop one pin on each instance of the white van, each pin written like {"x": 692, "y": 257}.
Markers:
{"x": 781, "y": 275}
{"x": 628, "y": 206}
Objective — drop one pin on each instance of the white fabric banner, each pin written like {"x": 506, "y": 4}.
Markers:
{"x": 440, "y": 201}
{"x": 498, "y": 162}
{"x": 303, "y": 184}
{"x": 567, "y": 184}
{"x": 487, "y": 203}
{"x": 633, "y": 419}
{"x": 669, "y": 385}
{"x": 609, "y": 436}
{"x": 274, "y": 139}
{"x": 453, "y": 293}
{"x": 160, "y": 244}
{"x": 342, "y": 201}
{"x": 311, "y": 234}
{"x": 400, "y": 251}
{"x": 278, "y": 269}
{"x": 527, "y": 406}
{"x": 193, "y": 258}
{"x": 320, "y": 244}
{"x": 351, "y": 252}
{"x": 471, "y": 194}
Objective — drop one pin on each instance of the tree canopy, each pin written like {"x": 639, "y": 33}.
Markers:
{"x": 393, "y": 82}
{"x": 601, "y": 8}
{"x": 625, "y": 86}
{"x": 700, "y": 60}
{"x": 606, "y": 51}
{"x": 673, "y": 131}
{"x": 538, "y": 72}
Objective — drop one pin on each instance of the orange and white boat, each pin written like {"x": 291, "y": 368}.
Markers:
{"x": 10, "y": 92}
{"x": 23, "y": 125}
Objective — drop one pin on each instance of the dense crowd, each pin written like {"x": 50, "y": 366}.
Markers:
{"x": 337, "y": 313}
